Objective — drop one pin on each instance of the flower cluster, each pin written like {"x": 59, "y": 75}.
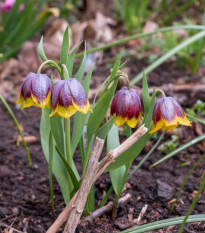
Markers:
{"x": 167, "y": 114}
{"x": 67, "y": 97}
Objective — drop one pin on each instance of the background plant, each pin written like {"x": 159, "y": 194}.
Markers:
{"x": 16, "y": 26}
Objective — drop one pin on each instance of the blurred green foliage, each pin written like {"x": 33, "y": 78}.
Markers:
{"x": 16, "y": 26}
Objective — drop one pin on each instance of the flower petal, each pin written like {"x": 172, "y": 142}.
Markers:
{"x": 132, "y": 122}
{"x": 119, "y": 120}
{"x": 168, "y": 112}
{"x": 41, "y": 90}
{"x": 25, "y": 103}
{"x": 65, "y": 112}
{"x": 170, "y": 127}
{"x": 157, "y": 126}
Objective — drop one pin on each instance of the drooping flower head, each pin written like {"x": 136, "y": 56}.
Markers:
{"x": 126, "y": 105}
{"x": 8, "y": 4}
{"x": 68, "y": 97}
{"x": 35, "y": 91}
{"x": 168, "y": 114}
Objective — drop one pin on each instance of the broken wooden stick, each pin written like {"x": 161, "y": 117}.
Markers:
{"x": 88, "y": 180}
{"x": 109, "y": 158}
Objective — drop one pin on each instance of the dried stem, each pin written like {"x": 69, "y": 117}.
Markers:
{"x": 107, "y": 208}
{"x": 88, "y": 179}
{"x": 109, "y": 158}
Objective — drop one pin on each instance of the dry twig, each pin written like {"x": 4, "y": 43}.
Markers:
{"x": 88, "y": 179}
{"x": 10, "y": 227}
{"x": 109, "y": 158}
{"x": 107, "y": 208}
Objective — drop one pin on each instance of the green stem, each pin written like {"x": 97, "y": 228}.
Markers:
{"x": 146, "y": 157}
{"x": 116, "y": 76}
{"x": 51, "y": 63}
{"x": 67, "y": 142}
{"x": 134, "y": 37}
{"x": 161, "y": 92}
{"x": 117, "y": 197}
{"x": 64, "y": 69}
{"x": 193, "y": 203}
{"x": 18, "y": 127}
{"x": 50, "y": 173}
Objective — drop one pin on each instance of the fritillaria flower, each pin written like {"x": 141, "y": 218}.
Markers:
{"x": 35, "y": 91}
{"x": 168, "y": 114}
{"x": 8, "y": 4}
{"x": 126, "y": 105}
{"x": 68, "y": 97}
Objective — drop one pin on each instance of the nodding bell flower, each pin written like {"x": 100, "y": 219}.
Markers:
{"x": 126, "y": 105}
{"x": 35, "y": 91}
{"x": 168, "y": 114}
{"x": 68, "y": 97}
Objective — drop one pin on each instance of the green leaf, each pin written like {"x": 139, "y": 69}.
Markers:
{"x": 41, "y": 51}
{"x": 130, "y": 154}
{"x": 81, "y": 71}
{"x": 59, "y": 169}
{"x": 58, "y": 132}
{"x": 196, "y": 198}
{"x": 100, "y": 111}
{"x": 50, "y": 166}
{"x": 165, "y": 223}
{"x": 116, "y": 175}
{"x": 148, "y": 117}
{"x": 65, "y": 47}
{"x": 145, "y": 94}
{"x": 70, "y": 171}
{"x": 79, "y": 118}
{"x": 103, "y": 131}
{"x": 70, "y": 60}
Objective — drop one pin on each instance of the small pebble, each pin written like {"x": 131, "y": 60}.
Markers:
{"x": 15, "y": 210}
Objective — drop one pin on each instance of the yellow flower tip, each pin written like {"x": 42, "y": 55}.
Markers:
{"x": 184, "y": 120}
{"x": 44, "y": 103}
{"x": 156, "y": 127}
{"x": 83, "y": 109}
{"x": 25, "y": 103}
{"x": 64, "y": 112}
{"x": 132, "y": 122}
{"x": 119, "y": 120}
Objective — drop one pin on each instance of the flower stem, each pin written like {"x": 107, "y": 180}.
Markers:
{"x": 18, "y": 127}
{"x": 161, "y": 92}
{"x": 67, "y": 142}
{"x": 51, "y": 63}
{"x": 64, "y": 69}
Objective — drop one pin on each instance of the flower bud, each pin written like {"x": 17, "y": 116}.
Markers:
{"x": 35, "y": 91}
{"x": 68, "y": 97}
{"x": 168, "y": 114}
{"x": 126, "y": 105}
